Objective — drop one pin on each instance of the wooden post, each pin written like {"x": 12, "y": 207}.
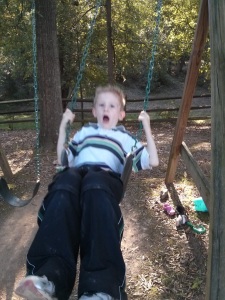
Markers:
{"x": 189, "y": 89}
{"x": 4, "y": 164}
{"x": 216, "y": 250}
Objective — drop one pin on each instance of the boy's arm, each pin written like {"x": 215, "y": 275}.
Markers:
{"x": 151, "y": 147}
{"x": 68, "y": 116}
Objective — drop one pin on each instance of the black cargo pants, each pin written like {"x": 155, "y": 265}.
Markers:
{"x": 81, "y": 213}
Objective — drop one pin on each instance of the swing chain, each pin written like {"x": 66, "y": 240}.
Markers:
{"x": 35, "y": 84}
{"x": 154, "y": 45}
{"x": 151, "y": 66}
{"x": 72, "y": 104}
{"x": 84, "y": 56}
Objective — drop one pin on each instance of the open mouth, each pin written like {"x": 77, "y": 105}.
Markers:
{"x": 105, "y": 119}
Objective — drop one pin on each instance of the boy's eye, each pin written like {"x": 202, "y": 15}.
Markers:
{"x": 112, "y": 105}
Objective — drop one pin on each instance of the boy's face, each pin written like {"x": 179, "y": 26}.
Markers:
{"x": 108, "y": 110}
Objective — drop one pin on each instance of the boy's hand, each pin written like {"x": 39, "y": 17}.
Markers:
{"x": 144, "y": 118}
{"x": 68, "y": 116}
{"x": 151, "y": 147}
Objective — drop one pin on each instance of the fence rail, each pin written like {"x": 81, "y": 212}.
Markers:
{"x": 163, "y": 109}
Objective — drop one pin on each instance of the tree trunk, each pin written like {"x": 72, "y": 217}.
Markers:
{"x": 49, "y": 85}
{"x": 110, "y": 48}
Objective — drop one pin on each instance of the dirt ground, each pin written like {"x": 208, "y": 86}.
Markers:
{"x": 162, "y": 263}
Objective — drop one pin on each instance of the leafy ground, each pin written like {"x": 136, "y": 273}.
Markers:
{"x": 162, "y": 263}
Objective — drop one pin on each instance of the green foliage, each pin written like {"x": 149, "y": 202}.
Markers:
{"x": 133, "y": 24}
{"x": 178, "y": 29}
{"x": 196, "y": 284}
{"x": 179, "y": 23}
{"x": 16, "y": 39}
{"x": 15, "y": 49}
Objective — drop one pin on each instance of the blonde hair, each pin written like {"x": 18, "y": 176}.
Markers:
{"x": 112, "y": 89}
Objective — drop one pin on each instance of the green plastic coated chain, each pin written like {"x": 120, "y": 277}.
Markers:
{"x": 151, "y": 65}
{"x": 72, "y": 104}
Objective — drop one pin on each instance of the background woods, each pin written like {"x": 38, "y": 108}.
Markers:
{"x": 119, "y": 50}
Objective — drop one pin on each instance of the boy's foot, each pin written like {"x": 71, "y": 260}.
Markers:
{"x": 96, "y": 296}
{"x": 35, "y": 288}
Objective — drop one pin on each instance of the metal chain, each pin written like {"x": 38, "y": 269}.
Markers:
{"x": 85, "y": 53}
{"x": 72, "y": 104}
{"x": 151, "y": 66}
{"x": 35, "y": 84}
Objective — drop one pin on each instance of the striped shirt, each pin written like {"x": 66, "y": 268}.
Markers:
{"x": 107, "y": 148}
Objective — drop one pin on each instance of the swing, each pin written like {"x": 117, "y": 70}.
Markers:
{"x": 129, "y": 159}
{"x": 5, "y": 192}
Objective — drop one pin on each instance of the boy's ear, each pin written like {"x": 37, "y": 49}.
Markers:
{"x": 93, "y": 112}
{"x": 122, "y": 115}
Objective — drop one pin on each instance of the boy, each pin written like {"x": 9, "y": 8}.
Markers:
{"x": 81, "y": 211}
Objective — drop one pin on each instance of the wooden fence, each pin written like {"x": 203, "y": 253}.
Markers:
{"x": 160, "y": 109}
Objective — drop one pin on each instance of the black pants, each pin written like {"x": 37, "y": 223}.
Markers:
{"x": 81, "y": 213}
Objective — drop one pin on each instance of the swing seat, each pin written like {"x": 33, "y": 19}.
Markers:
{"x": 127, "y": 171}
{"x": 11, "y": 199}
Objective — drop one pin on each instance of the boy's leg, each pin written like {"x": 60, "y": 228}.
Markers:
{"x": 102, "y": 265}
{"x": 54, "y": 250}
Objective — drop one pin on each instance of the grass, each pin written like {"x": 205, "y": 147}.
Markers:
{"x": 12, "y": 125}
{"x": 17, "y": 126}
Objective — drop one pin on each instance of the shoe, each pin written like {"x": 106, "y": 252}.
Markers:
{"x": 96, "y": 296}
{"x": 36, "y": 288}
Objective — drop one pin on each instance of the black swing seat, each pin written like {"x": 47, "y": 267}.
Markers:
{"x": 126, "y": 170}
{"x": 11, "y": 199}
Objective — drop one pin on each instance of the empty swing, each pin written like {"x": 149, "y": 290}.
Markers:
{"x": 128, "y": 164}
{"x": 5, "y": 192}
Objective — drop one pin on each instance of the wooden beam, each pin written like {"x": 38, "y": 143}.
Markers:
{"x": 196, "y": 173}
{"x": 216, "y": 250}
{"x": 4, "y": 164}
{"x": 189, "y": 89}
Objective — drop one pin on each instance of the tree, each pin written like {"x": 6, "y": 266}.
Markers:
{"x": 129, "y": 43}
{"x": 49, "y": 84}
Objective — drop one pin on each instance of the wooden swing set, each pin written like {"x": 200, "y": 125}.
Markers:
{"x": 178, "y": 145}
{"x": 211, "y": 15}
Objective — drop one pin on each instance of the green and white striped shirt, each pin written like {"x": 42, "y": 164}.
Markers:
{"x": 107, "y": 148}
